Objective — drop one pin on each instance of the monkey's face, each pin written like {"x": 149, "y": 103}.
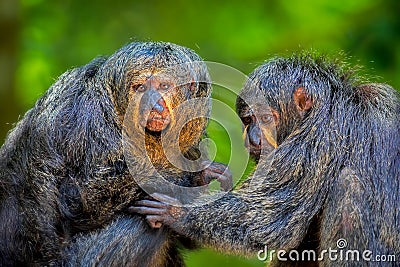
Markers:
{"x": 159, "y": 94}
{"x": 154, "y": 113}
{"x": 259, "y": 129}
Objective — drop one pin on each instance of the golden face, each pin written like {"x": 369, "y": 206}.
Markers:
{"x": 157, "y": 92}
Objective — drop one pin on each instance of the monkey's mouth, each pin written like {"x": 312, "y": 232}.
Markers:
{"x": 255, "y": 152}
{"x": 157, "y": 122}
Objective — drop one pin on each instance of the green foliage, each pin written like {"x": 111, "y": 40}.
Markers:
{"x": 209, "y": 258}
{"x": 57, "y": 35}
{"x": 53, "y": 36}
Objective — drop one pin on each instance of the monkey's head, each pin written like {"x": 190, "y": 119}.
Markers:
{"x": 154, "y": 79}
{"x": 281, "y": 95}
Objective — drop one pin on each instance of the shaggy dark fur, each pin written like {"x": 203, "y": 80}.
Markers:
{"x": 64, "y": 180}
{"x": 335, "y": 173}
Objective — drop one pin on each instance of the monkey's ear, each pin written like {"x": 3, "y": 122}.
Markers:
{"x": 302, "y": 100}
{"x": 193, "y": 85}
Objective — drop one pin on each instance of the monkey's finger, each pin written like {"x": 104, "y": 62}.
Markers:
{"x": 219, "y": 167}
{"x": 213, "y": 170}
{"x": 167, "y": 199}
{"x": 216, "y": 167}
{"x": 226, "y": 182}
{"x": 154, "y": 221}
{"x": 151, "y": 203}
{"x": 221, "y": 173}
{"x": 214, "y": 174}
{"x": 146, "y": 210}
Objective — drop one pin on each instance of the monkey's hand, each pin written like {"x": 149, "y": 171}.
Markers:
{"x": 216, "y": 171}
{"x": 159, "y": 211}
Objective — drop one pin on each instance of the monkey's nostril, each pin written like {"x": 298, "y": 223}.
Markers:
{"x": 255, "y": 137}
{"x": 158, "y": 107}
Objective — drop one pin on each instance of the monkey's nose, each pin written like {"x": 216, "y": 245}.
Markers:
{"x": 255, "y": 140}
{"x": 158, "y": 107}
{"x": 255, "y": 136}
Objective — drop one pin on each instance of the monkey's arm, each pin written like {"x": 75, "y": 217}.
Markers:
{"x": 273, "y": 208}
{"x": 235, "y": 223}
{"x": 126, "y": 241}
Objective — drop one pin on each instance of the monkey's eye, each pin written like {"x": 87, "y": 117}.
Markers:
{"x": 246, "y": 120}
{"x": 267, "y": 118}
{"x": 164, "y": 86}
{"x": 140, "y": 88}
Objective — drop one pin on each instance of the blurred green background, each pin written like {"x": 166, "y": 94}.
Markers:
{"x": 40, "y": 39}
